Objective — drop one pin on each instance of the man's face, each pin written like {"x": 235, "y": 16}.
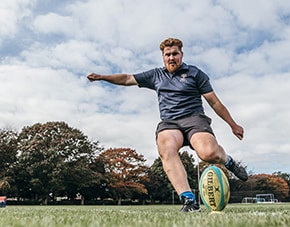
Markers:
{"x": 172, "y": 58}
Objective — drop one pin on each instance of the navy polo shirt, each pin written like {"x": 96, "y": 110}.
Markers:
{"x": 179, "y": 94}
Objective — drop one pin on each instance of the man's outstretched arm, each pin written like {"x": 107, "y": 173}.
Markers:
{"x": 118, "y": 79}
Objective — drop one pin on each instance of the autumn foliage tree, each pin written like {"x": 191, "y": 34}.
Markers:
{"x": 261, "y": 184}
{"x": 286, "y": 177}
{"x": 267, "y": 183}
{"x": 126, "y": 172}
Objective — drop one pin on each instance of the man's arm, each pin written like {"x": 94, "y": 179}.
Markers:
{"x": 118, "y": 79}
{"x": 223, "y": 112}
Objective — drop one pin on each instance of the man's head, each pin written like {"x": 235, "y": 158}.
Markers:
{"x": 172, "y": 54}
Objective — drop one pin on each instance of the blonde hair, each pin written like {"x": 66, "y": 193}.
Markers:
{"x": 171, "y": 42}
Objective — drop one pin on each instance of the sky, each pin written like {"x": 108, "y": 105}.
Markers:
{"x": 47, "y": 48}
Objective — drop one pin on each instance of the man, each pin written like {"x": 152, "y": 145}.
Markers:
{"x": 179, "y": 88}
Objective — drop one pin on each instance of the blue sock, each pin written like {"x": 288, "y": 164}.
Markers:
{"x": 187, "y": 195}
{"x": 229, "y": 160}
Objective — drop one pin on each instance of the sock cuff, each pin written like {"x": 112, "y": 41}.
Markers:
{"x": 229, "y": 160}
{"x": 187, "y": 195}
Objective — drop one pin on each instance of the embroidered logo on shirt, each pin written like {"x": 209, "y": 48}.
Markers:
{"x": 183, "y": 77}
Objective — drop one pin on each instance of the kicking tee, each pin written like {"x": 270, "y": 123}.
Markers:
{"x": 179, "y": 94}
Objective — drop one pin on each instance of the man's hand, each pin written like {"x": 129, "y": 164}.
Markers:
{"x": 238, "y": 131}
{"x": 93, "y": 77}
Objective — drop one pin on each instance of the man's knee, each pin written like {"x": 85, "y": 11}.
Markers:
{"x": 211, "y": 154}
{"x": 166, "y": 148}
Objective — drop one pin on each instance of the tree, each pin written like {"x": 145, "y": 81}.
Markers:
{"x": 8, "y": 150}
{"x": 98, "y": 187}
{"x": 53, "y": 159}
{"x": 126, "y": 172}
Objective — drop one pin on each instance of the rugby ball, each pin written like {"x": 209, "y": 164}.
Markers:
{"x": 214, "y": 188}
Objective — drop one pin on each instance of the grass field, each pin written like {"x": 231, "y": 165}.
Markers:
{"x": 234, "y": 215}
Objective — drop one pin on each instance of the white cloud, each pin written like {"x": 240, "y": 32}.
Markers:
{"x": 47, "y": 49}
{"x": 258, "y": 15}
{"x": 55, "y": 24}
{"x": 11, "y": 14}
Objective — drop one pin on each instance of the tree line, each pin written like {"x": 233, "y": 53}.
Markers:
{"x": 45, "y": 162}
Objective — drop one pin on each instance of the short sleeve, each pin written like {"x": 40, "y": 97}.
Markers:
{"x": 146, "y": 79}
{"x": 203, "y": 83}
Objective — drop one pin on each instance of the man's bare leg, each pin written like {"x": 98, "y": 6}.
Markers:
{"x": 169, "y": 142}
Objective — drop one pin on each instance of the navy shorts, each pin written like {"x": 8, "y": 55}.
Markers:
{"x": 187, "y": 125}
